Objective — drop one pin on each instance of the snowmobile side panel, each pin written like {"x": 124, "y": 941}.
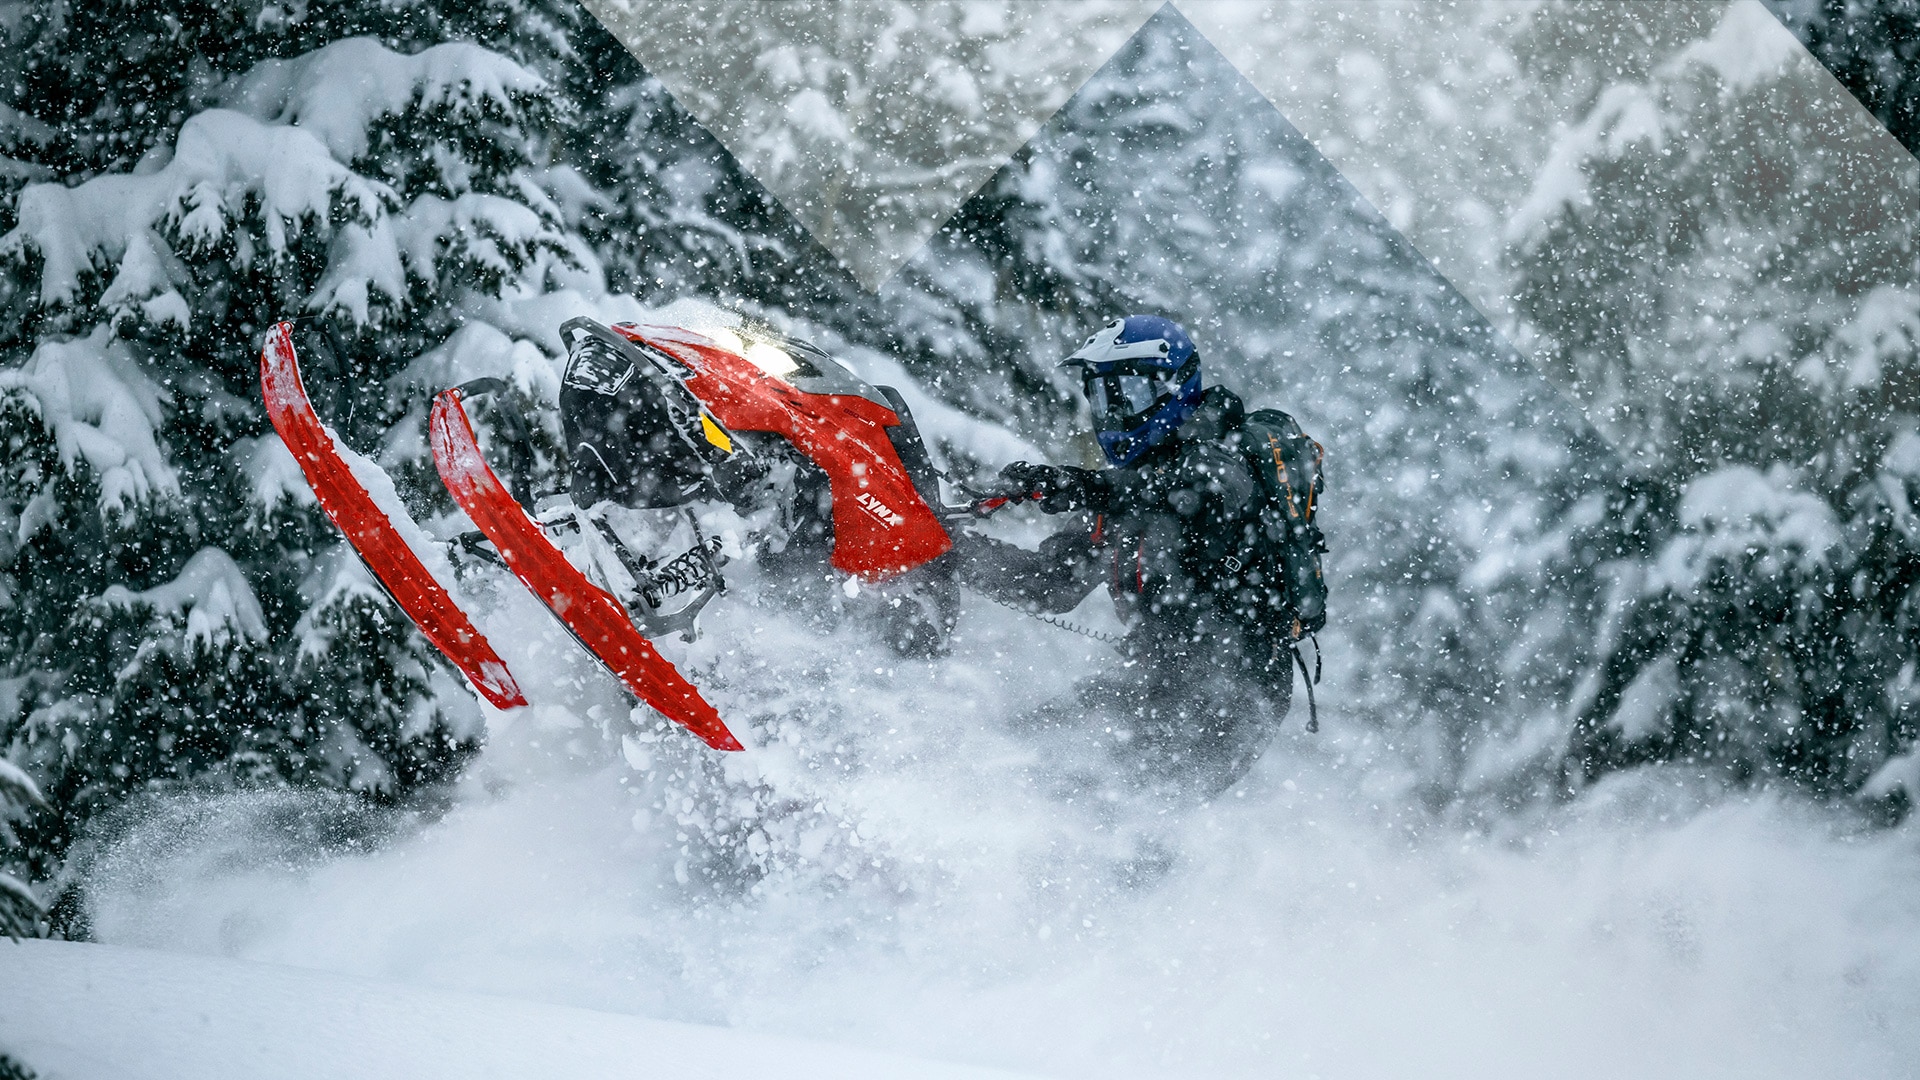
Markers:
{"x": 594, "y": 617}
{"x": 881, "y": 525}
{"x": 370, "y": 529}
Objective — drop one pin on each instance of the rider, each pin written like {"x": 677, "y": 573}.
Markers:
{"x": 1173, "y": 530}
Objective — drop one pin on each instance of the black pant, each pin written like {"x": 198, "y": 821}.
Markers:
{"x": 1180, "y": 719}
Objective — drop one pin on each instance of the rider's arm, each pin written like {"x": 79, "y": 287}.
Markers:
{"x": 1053, "y": 579}
{"x": 1206, "y": 475}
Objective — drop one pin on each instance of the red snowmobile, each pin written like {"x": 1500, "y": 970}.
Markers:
{"x": 679, "y": 445}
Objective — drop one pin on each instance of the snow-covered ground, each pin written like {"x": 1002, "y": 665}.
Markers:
{"x": 99, "y": 1012}
{"x": 915, "y": 884}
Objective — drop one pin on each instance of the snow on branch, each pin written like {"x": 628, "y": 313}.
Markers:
{"x": 497, "y": 237}
{"x": 17, "y": 788}
{"x": 101, "y": 407}
{"x": 1751, "y": 522}
{"x": 478, "y": 349}
{"x": 341, "y": 91}
{"x": 364, "y": 260}
{"x": 1626, "y": 114}
{"x": 226, "y": 166}
{"x": 19, "y": 907}
{"x": 273, "y": 476}
{"x": 1748, "y": 46}
{"x": 211, "y": 594}
{"x": 1883, "y": 333}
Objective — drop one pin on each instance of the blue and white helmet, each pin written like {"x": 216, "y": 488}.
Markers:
{"x": 1142, "y": 377}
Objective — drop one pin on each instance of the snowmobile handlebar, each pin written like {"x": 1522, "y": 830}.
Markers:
{"x": 988, "y": 500}
{"x": 993, "y": 504}
{"x": 1057, "y": 488}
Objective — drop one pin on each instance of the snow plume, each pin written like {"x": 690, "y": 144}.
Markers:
{"x": 895, "y": 864}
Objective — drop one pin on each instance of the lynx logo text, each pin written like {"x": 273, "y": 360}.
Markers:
{"x": 881, "y": 511}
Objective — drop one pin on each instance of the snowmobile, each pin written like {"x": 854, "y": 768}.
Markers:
{"x": 684, "y": 448}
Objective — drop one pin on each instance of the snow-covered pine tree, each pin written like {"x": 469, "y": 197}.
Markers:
{"x": 1758, "y": 362}
{"x": 1872, "y": 47}
{"x": 20, "y": 909}
{"x": 179, "y": 612}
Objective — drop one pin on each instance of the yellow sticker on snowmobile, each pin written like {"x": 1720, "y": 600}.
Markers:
{"x": 714, "y": 435}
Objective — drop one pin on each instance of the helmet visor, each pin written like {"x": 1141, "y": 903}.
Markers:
{"x": 1119, "y": 399}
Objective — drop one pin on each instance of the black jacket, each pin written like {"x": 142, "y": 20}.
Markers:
{"x": 1172, "y": 538}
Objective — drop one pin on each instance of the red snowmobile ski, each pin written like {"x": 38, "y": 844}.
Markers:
{"x": 371, "y": 529}
{"x": 594, "y": 617}
{"x": 658, "y": 420}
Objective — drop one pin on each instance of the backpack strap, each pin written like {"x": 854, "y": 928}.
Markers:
{"x": 1310, "y": 680}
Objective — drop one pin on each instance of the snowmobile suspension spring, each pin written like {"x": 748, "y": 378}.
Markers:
{"x": 689, "y": 570}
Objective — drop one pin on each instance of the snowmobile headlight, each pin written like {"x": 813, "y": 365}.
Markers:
{"x": 727, "y": 340}
{"x": 771, "y": 359}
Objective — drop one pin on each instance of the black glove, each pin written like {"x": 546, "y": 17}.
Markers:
{"x": 1057, "y": 488}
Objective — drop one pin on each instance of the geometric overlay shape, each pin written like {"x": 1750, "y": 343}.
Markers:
{"x": 871, "y": 121}
{"x": 1417, "y": 105}
{"x": 1450, "y": 454}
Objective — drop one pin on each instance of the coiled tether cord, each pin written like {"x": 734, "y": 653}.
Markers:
{"x": 1054, "y": 620}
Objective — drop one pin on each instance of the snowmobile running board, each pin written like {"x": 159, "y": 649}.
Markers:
{"x": 594, "y": 617}
{"x": 370, "y": 529}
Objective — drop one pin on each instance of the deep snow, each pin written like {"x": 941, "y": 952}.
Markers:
{"x": 101, "y": 1013}
{"x": 895, "y": 864}
{"x": 917, "y": 890}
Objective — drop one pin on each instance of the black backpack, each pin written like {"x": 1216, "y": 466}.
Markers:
{"x": 1288, "y": 463}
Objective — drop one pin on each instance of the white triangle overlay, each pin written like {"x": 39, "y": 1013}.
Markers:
{"x": 1360, "y": 82}
{"x": 873, "y": 121}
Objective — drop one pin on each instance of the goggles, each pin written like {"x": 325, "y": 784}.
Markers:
{"x": 1122, "y": 397}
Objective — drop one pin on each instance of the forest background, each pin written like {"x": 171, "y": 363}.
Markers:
{"x": 1545, "y": 571}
